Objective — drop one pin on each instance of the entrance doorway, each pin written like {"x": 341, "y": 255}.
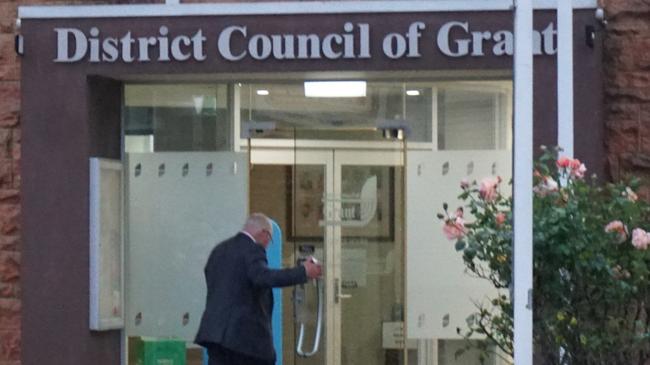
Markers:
{"x": 345, "y": 207}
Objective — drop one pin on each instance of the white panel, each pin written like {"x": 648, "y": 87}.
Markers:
{"x": 437, "y": 286}
{"x": 106, "y": 245}
{"x": 175, "y": 217}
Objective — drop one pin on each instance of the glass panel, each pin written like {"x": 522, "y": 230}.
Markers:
{"x": 309, "y": 237}
{"x": 372, "y": 318}
{"x": 292, "y": 194}
{"x": 184, "y": 117}
{"x": 171, "y": 230}
{"x": 338, "y": 118}
{"x": 474, "y": 116}
{"x": 441, "y": 294}
{"x": 448, "y": 354}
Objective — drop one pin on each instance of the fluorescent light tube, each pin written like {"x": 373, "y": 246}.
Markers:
{"x": 413, "y": 92}
{"x": 335, "y": 89}
{"x": 262, "y": 92}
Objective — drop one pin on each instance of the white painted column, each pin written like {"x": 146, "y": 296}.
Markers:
{"x": 523, "y": 182}
{"x": 565, "y": 76}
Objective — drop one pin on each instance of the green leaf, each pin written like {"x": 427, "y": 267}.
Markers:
{"x": 460, "y": 245}
{"x": 583, "y": 339}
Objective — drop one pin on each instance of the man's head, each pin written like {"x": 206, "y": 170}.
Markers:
{"x": 259, "y": 226}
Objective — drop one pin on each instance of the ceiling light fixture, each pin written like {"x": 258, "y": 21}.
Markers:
{"x": 262, "y": 92}
{"x": 413, "y": 92}
{"x": 335, "y": 89}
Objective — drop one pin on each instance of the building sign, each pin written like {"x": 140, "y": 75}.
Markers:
{"x": 234, "y": 43}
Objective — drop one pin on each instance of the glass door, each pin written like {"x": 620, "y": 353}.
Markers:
{"x": 290, "y": 186}
{"x": 368, "y": 251}
{"x": 345, "y": 207}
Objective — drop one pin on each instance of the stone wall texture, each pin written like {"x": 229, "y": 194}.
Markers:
{"x": 627, "y": 89}
{"x": 627, "y": 118}
{"x": 9, "y": 189}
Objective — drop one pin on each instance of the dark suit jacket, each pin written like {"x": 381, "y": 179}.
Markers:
{"x": 239, "y": 300}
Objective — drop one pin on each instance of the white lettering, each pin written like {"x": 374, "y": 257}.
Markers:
{"x": 504, "y": 43}
{"x": 443, "y": 40}
{"x": 454, "y": 39}
{"x": 144, "y": 43}
{"x": 328, "y": 51}
{"x": 109, "y": 49}
{"x": 94, "y": 44}
{"x": 278, "y": 52}
{"x": 126, "y": 43}
{"x": 348, "y": 41}
{"x": 163, "y": 44}
{"x": 62, "y": 47}
{"x": 177, "y": 52}
{"x": 413, "y": 36}
{"x": 537, "y": 43}
{"x": 477, "y": 42}
{"x": 254, "y": 47}
{"x": 549, "y": 42}
{"x": 223, "y": 44}
{"x": 364, "y": 41}
{"x": 311, "y": 42}
{"x": 394, "y": 45}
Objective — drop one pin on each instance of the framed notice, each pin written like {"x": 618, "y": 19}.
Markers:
{"x": 365, "y": 204}
{"x": 106, "y": 245}
{"x": 368, "y": 202}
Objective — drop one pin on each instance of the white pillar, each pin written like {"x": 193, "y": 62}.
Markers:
{"x": 565, "y": 76}
{"x": 523, "y": 182}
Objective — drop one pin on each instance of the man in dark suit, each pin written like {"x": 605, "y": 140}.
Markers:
{"x": 236, "y": 324}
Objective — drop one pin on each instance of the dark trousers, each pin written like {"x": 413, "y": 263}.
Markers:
{"x": 219, "y": 355}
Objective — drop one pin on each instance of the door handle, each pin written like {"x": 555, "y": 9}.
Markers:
{"x": 319, "y": 323}
{"x": 338, "y": 295}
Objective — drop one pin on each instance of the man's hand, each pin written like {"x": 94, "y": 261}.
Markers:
{"x": 312, "y": 269}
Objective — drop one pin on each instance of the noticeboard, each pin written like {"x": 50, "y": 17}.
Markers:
{"x": 106, "y": 245}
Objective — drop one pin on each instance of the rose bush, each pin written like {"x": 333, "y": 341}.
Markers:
{"x": 590, "y": 297}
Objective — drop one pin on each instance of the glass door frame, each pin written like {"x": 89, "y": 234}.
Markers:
{"x": 260, "y": 156}
{"x": 333, "y": 161}
{"x": 386, "y": 158}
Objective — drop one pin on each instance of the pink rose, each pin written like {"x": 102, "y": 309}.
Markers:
{"x": 619, "y": 228}
{"x": 579, "y": 171}
{"x": 459, "y": 212}
{"x": 563, "y": 162}
{"x": 454, "y": 229}
{"x": 575, "y": 164}
{"x": 572, "y": 166}
{"x": 464, "y": 184}
{"x": 488, "y": 188}
{"x": 640, "y": 239}
{"x": 546, "y": 186}
{"x": 631, "y": 195}
{"x": 500, "y": 218}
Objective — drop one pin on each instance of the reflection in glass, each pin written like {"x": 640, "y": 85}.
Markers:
{"x": 338, "y": 118}
{"x": 184, "y": 117}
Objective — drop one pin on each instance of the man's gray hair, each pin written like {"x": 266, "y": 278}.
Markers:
{"x": 258, "y": 222}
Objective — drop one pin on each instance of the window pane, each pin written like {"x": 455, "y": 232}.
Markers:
{"x": 338, "y": 118}
{"x": 176, "y": 118}
{"x": 474, "y": 116}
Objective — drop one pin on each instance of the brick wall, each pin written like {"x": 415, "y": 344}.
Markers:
{"x": 627, "y": 89}
{"x": 9, "y": 189}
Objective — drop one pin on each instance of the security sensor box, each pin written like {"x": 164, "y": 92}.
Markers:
{"x": 156, "y": 351}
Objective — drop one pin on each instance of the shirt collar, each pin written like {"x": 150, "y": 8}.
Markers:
{"x": 249, "y": 236}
